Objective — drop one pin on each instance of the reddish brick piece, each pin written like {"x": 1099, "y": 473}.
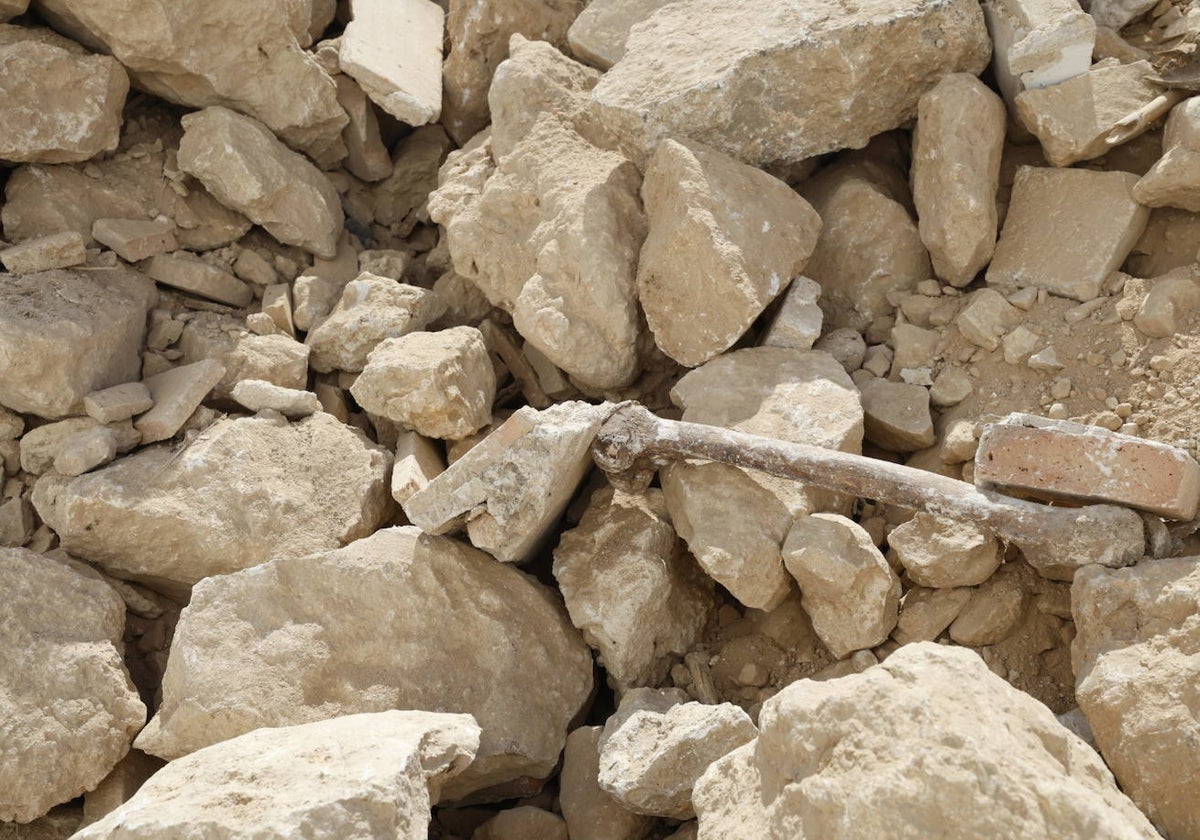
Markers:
{"x": 1059, "y": 461}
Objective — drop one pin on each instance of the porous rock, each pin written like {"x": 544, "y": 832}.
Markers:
{"x": 521, "y": 822}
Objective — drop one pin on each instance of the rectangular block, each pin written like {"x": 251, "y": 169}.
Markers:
{"x": 187, "y": 272}
{"x": 58, "y": 250}
{"x": 1056, "y": 460}
{"x": 134, "y": 240}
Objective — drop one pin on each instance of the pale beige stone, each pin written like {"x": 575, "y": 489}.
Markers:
{"x": 176, "y": 394}
{"x": 58, "y": 250}
{"x": 64, "y": 334}
{"x": 418, "y": 461}
{"x": 365, "y": 775}
{"x": 912, "y": 348}
{"x": 1174, "y": 181}
{"x": 1171, "y": 298}
{"x": 414, "y": 175}
{"x": 724, "y": 240}
{"x": 945, "y": 553}
{"x": 169, "y": 51}
{"x": 858, "y": 758}
{"x": 631, "y": 588}
{"x": 60, "y": 105}
{"x": 245, "y": 490}
{"x": 951, "y": 387}
{"x": 846, "y": 585}
{"x": 896, "y": 415}
{"x": 1114, "y": 14}
{"x": 1097, "y": 208}
{"x": 1168, "y": 242}
{"x": 1136, "y": 658}
{"x": 522, "y": 822}
{"x": 85, "y": 450}
{"x": 367, "y": 157}
{"x": 400, "y": 587}
{"x": 798, "y": 320}
{"x": 136, "y": 239}
{"x": 439, "y": 384}
{"x": 591, "y": 813}
{"x": 671, "y": 82}
{"x": 955, "y": 174}
{"x": 16, "y": 522}
{"x": 240, "y": 162}
{"x": 277, "y": 303}
{"x": 11, "y": 424}
{"x": 187, "y": 272}
{"x": 926, "y": 613}
{"x": 278, "y": 359}
{"x": 10, "y": 9}
{"x": 599, "y": 34}
{"x": 257, "y": 395}
{"x": 119, "y": 786}
{"x": 1038, "y": 43}
{"x": 393, "y": 49}
{"x": 994, "y": 610}
{"x": 41, "y": 446}
{"x": 986, "y": 318}
{"x": 70, "y": 708}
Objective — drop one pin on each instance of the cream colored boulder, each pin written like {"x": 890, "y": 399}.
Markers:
{"x": 1174, "y": 181}
{"x": 599, "y": 34}
{"x": 944, "y": 553}
{"x": 591, "y": 813}
{"x": 393, "y": 48}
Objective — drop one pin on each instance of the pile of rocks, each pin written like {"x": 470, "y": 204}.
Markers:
{"x": 327, "y": 507}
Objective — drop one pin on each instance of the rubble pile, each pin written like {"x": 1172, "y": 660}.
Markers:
{"x": 600, "y": 420}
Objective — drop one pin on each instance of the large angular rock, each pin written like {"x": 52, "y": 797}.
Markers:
{"x": 1174, "y": 181}
{"x": 241, "y": 163}
{"x": 1136, "y": 658}
{"x": 64, "y": 334}
{"x": 631, "y": 588}
{"x": 724, "y": 239}
{"x": 943, "y": 553}
{"x": 364, "y": 775}
{"x": 275, "y": 358}
{"x": 222, "y": 52}
{"x": 819, "y": 55}
{"x": 256, "y": 648}
{"x": 393, "y": 48}
{"x": 590, "y": 811}
{"x": 599, "y": 34}
{"x": 70, "y": 710}
{"x": 900, "y": 751}
{"x": 60, "y": 105}
{"x": 246, "y": 490}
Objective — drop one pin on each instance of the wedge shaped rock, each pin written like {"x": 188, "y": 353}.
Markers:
{"x": 1174, "y": 181}
{"x": 394, "y": 50}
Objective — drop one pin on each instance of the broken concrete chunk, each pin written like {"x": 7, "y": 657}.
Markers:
{"x": 797, "y": 322}
{"x": 513, "y": 485}
{"x": 671, "y": 82}
{"x": 64, "y": 334}
{"x": 724, "y": 239}
{"x": 590, "y": 811}
{"x": 367, "y": 774}
{"x": 631, "y": 588}
{"x": 70, "y": 708}
{"x": 1057, "y": 460}
{"x": 58, "y": 250}
{"x": 245, "y": 490}
{"x": 1174, "y": 181}
{"x": 418, "y": 461}
{"x": 393, "y": 49}
{"x": 1038, "y": 43}
{"x": 1097, "y": 208}
{"x": 136, "y": 239}
{"x": 85, "y": 450}
{"x": 985, "y": 320}
{"x": 896, "y": 415}
{"x": 955, "y": 173}
{"x": 60, "y": 105}
{"x": 926, "y": 613}
{"x": 944, "y": 553}
{"x": 176, "y": 394}
{"x": 599, "y": 34}
{"x": 403, "y": 585}
{"x": 185, "y": 271}
{"x": 651, "y": 762}
{"x": 993, "y": 611}
{"x": 439, "y": 384}
{"x": 846, "y": 585}
{"x": 257, "y": 395}
{"x": 242, "y": 164}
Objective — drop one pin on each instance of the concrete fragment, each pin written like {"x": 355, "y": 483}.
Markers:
{"x": 242, "y": 164}
{"x": 358, "y": 775}
{"x": 394, "y": 51}
{"x": 599, "y": 34}
{"x": 70, "y": 708}
{"x": 926, "y": 613}
{"x": 591, "y": 813}
{"x": 58, "y": 250}
{"x": 512, "y": 486}
{"x": 652, "y": 760}
{"x": 846, "y": 585}
{"x": 896, "y": 415}
{"x": 245, "y": 490}
{"x": 367, "y": 158}
{"x": 521, "y": 822}
{"x": 418, "y": 461}
{"x": 797, "y": 322}
{"x": 1174, "y": 181}
{"x": 176, "y": 394}
{"x": 185, "y": 271}
{"x": 631, "y": 588}
{"x": 63, "y": 105}
{"x": 1136, "y": 655}
{"x": 955, "y": 173}
{"x": 993, "y": 611}
{"x": 1058, "y": 460}
{"x": 136, "y": 239}
{"x": 257, "y": 395}
{"x": 400, "y": 586}
{"x": 1038, "y": 43}
{"x": 85, "y": 450}
{"x": 724, "y": 239}
{"x": 944, "y": 553}
{"x": 1097, "y": 207}
{"x": 64, "y": 334}
{"x": 439, "y": 384}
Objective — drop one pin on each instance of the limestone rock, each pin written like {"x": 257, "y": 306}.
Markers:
{"x": 846, "y": 585}
{"x": 926, "y": 613}
{"x": 10, "y": 9}
{"x": 246, "y": 490}
{"x": 994, "y": 610}
{"x": 134, "y": 240}
{"x": 522, "y": 822}
{"x": 60, "y": 105}
{"x": 371, "y": 309}
{"x": 1172, "y": 297}
{"x": 58, "y": 250}
{"x": 64, "y": 334}
{"x": 631, "y": 588}
{"x": 955, "y": 174}
{"x": 85, "y": 450}
{"x": 1174, "y": 181}
{"x": 986, "y": 319}
{"x": 255, "y": 650}
{"x": 70, "y": 708}
{"x": 172, "y": 51}
{"x": 257, "y": 395}
{"x": 439, "y": 384}
{"x": 797, "y": 322}
{"x": 418, "y": 461}
{"x": 278, "y": 359}
{"x": 513, "y": 485}
{"x": 1038, "y": 43}
{"x": 414, "y": 175}
{"x": 857, "y": 757}
{"x": 365, "y": 775}
{"x": 591, "y": 812}
{"x": 40, "y": 447}
{"x": 1136, "y": 658}
{"x": 120, "y": 402}
{"x": 242, "y": 164}
{"x": 176, "y": 393}
{"x": 599, "y": 34}
{"x": 367, "y": 158}
{"x": 394, "y": 50}
{"x": 1116, "y": 13}
{"x": 671, "y": 81}
{"x": 724, "y": 239}
{"x": 652, "y": 760}
{"x": 896, "y": 415}
{"x": 185, "y": 271}
{"x": 941, "y": 553}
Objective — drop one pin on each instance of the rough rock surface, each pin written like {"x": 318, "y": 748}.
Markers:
{"x": 278, "y": 359}
{"x": 246, "y": 490}
{"x": 857, "y": 757}
{"x": 1136, "y": 658}
{"x": 70, "y": 711}
{"x": 943, "y": 553}
{"x": 394, "y": 50}
{"x": 671, "y": 81}
{"x": 724, "y": 239}
{"x": 1174, "y": 181}
{"x": 599, "y": 34}
{"x": 366, "y": 775}
{"x": 242, "y": 164}
{"x": 590, "y": 811}
{"x": 256, "y": 651}
{"x": 521, "y": 822}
